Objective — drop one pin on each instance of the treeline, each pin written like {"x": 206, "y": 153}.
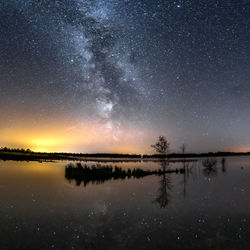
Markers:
{"x": 194, "y": 155}
{"x": 105, "y": 155}
{"x": 27, "y": 154}
{"x": 5, "y": 149}
{"x": 96, "y": 155}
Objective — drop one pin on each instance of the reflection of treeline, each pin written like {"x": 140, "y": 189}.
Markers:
{"x": 101, "y": 173}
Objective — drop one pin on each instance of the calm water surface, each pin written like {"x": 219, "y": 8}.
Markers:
{"x": 41, "y": 209}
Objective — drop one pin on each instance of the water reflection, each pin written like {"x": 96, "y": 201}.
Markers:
{"x": 164, "y": 163}
{"x": 210, "y": 172}
{"x": 223, "y": 165}
{"x": 98, "y": 174}
{"x": 164, "y": 191}
{"x": 209, "y": 167}
{"x": 185, "y": 176}
{"x": 164, "y": 185}
{"x": 149, "y": 213}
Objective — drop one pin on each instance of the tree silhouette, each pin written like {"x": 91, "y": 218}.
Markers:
{"x": 183, "y": 148}
{"x": 161, "y": 146}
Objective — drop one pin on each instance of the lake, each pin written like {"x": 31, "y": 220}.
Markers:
{"x": 42, "y": 209}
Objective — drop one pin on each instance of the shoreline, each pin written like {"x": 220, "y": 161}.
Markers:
{"x": 48, "y": 157}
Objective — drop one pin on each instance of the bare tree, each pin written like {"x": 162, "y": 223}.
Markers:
{"x": 161, "y": 146}
{"x": 183, "y": 148}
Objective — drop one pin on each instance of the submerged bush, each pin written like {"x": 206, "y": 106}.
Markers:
{"x": 209, "y": 163}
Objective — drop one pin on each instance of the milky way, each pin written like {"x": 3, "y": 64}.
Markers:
{"x": 130, "y": 69}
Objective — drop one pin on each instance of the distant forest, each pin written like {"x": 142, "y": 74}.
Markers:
{"x": 15, "y": 152}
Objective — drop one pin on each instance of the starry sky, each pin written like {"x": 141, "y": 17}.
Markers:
{"x": 111, "y": 76}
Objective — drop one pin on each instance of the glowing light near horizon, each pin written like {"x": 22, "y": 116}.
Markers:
{"x": 85, "y": 137}
{"x": 46, "y": 144}
{"x": 243, "y": 149}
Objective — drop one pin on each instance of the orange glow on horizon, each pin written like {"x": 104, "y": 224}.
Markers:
{"x": 45, "y": 144}
{"x": 85, "y": 137}
{"x": 240, "y": 149}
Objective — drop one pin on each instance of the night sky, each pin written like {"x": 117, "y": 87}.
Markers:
{"x": 111, "y": 76}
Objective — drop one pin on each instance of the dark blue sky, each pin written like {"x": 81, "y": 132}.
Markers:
{"x": 125, "y": 72}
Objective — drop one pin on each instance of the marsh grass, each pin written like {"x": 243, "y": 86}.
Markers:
{"x": 100, "y": 173}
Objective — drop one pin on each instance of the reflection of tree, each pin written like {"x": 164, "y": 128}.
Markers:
{"x": 223, "y": 165}
{"x": 163, "y": 191}
{"x": 164, "y": 164}
{"x": 210, "y": 172}
{"x": 165, "y": 186}
{"x": 210, "y": 169}
{"x": 186, "y": 171}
